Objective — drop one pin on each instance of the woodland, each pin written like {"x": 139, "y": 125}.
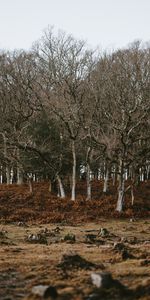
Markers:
{"x": 74, "y": 171}
{"x": 70, "y": 114}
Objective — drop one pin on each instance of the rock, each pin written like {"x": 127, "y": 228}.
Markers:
{"x": 125, "y": 255}
{"x": 93, "y": 296}
{"x": 91, "y": 238}
{"x": 57, "y": 229}
{"x": 146, "y": 242}
{"x": 105, "y": 281}
{"x": 102, "y": 280}
{"x": 119, "y": 246}
{"x": 123, "y": 240}
{"x": 70, "y": 237}
{"x": 22, "y": 224}
{"x": 39, "y": 290}
{"x": 46, "y": 232}
{"x": 103, "y": 232}
{"x": 123, "y": 250}
{"x": 3, "y": 234}
{"x": 72, "y": 260}
{"x": 50, "y": 292}
{"x": 94, "y": 239}
{"x": 132, "y": 219}
{"x": 45, "y": 291}
{"x": 36, "y": 238}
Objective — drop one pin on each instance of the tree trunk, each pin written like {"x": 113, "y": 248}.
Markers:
{"x": 8, "y": 174}
{"x": 148, "y": 172}
{"x": 1, "y": 175}
{"x": 4, "y": 180}
{"x": 105, "y": 188}
{"x": 121, "y": 188}
{"x": 88, "y": 182}
{"x": 19, "y": 170}
{"x": 132, "y": 195}
{"x": 61, "y": 188}
{"x": 114, "y": 175}
{"x": 5, "y": 155}
{"x": 73, "y": 171}
{"x": 19, "y": 176}
{"x": 114, "y": 179}
{"x": 50, "y": 186}
{"x": 120, "y": 200}
{"x": 30, "y": 185}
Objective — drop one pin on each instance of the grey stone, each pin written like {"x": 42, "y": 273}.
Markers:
{"x": 45, "y": 291}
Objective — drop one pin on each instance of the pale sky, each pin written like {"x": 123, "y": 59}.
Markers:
{"x": 109, "y": 24}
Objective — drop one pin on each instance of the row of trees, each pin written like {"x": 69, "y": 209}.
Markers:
{"x": 67, "y": 112}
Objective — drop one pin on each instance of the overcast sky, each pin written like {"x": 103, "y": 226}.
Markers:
{"x": 108, "y": 24}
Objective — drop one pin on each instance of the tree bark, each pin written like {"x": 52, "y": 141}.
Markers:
{"x": 61, "y": 188}
{"x": 105, "y": 188}
{"x": 132, "y": 195}
{"x": 73, "y": 172}
{"x": 19, "y": 170}
{"x": 30, "y": 185}
{"x": 5, "y": 155}
{"x": 121, "y": 188}
{"x": 1, "y": 174}
{"x": 50, "y": 186}
{"x": 88, "y": 182}
{"x": 120, "y": 200}
{"x": 8, "y": 174}
{"x": 19, "y": 176}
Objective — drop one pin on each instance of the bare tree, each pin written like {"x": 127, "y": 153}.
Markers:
{"x": 17, "y": 103}
{"x": 123, "y": 106}
{"x": 64, "y": 63}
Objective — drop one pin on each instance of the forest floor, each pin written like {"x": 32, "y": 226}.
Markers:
{"x": 18, "y": 204}
{"x": 49, "y": 242}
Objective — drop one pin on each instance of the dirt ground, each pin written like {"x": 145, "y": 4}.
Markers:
{"x": 124, "y": 251}
{"x": 49, "y": 242}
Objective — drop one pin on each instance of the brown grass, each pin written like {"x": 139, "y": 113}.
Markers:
{"x": 17, "y": 204}
{"x": 24, "y": 263}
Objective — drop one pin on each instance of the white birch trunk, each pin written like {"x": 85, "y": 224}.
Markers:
{"x": 8, "y": 177}
{"x": 5, "y": 154}
{"x": 19, "y": 170}
{"x": 1, "y": 175}
{"x": 19, "y": 176}
{"x": 88, "y": 183}
{"x": 121, "y": 188}
{"x": 61, "y": 188}
{"x": 105, "y": 188}
{"x": 73, "y": 172}
{"x": 120, "y": 200}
